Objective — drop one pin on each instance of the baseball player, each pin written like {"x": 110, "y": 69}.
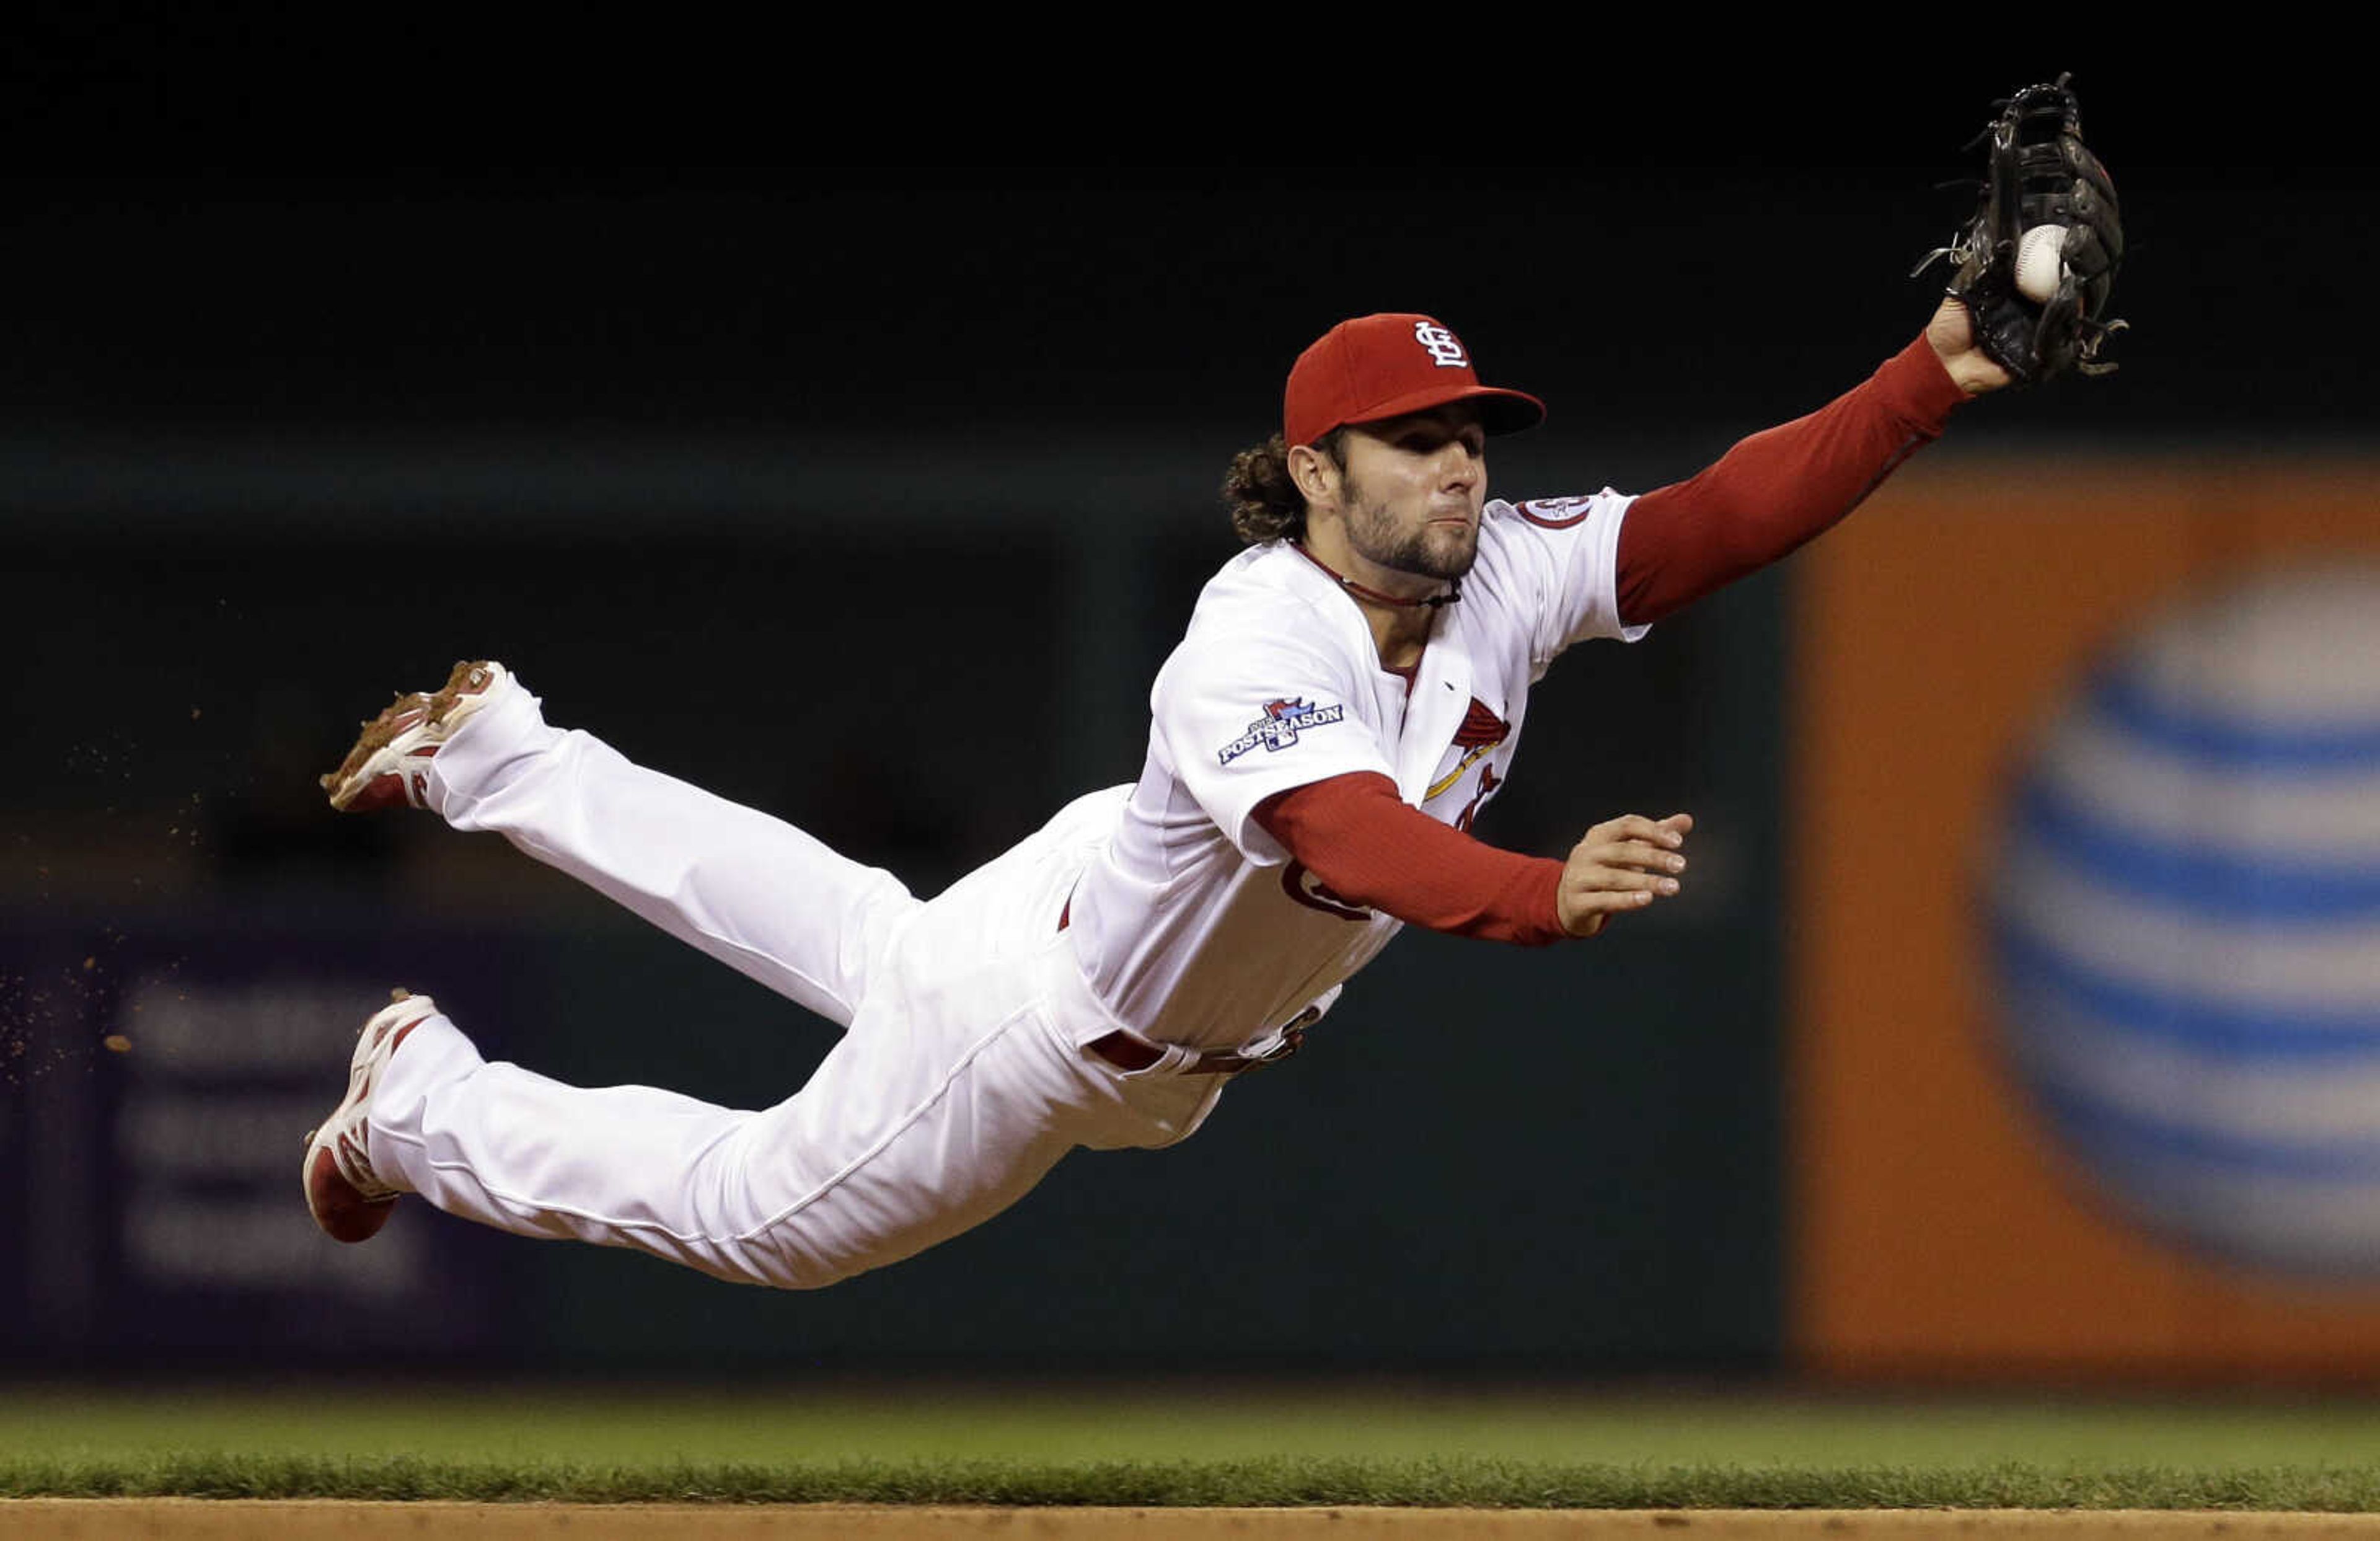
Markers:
{"x": 1349, "y": 693}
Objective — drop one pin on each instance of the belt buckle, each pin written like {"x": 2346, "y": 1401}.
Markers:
{"x": 1293, "y": 1037}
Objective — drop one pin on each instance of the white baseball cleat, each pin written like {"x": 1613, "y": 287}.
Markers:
{"x": 345, "y": 1197}
{"x": 389, "y": 767}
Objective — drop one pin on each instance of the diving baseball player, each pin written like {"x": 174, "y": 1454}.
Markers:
{"x": 1350, "y": 691}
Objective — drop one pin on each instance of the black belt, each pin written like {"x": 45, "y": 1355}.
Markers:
{"x": 1126, "y": 1051}
{"x": 1130, "y": 1052}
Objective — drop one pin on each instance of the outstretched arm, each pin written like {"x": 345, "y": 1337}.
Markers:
{"x": 1782, "y": 487}
{"x": 1370, "y": 848}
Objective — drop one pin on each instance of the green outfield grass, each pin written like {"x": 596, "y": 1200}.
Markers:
{"x": 1396, "y": 1444}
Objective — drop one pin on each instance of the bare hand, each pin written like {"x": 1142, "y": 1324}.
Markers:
{"x": 1624, "y": 864}
{"x": 1952, "y": 332}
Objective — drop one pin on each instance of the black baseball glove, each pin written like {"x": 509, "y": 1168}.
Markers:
{"x": 2039, "y": 174}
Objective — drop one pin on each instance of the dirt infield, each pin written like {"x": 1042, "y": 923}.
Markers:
{"x": 175, "y": 1518}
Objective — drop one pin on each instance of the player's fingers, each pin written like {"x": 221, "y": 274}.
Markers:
{"x": 1585, "y": 911}
{"x": 1618, "y": 880}
{"x": 1606, "y": 901}
{"x": 1643, "y": 855}
{"x": 1668, "y": 832}
{"x": 1646, "y": 856}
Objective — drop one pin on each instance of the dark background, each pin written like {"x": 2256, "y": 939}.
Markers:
{"x": 872, "y": 492}
{"x": 1665, "y": 242}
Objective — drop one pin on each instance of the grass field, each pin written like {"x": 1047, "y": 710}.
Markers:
{"x": 639, "y": 1425}
{"x": 1192, "y": 1444}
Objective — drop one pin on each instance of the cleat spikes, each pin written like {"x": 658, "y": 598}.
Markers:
{"x": 388, "y": 766}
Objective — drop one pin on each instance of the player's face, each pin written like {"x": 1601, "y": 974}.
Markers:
{"x": 1414, "y": 489}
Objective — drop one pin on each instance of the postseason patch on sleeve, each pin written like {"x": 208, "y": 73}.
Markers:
{"x": 1278, "y": 727}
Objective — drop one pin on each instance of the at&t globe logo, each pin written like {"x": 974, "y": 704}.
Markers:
{"x": 2184, "y": 924}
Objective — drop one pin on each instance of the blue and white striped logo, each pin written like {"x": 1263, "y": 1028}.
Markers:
{"x": 2185, "y": 924}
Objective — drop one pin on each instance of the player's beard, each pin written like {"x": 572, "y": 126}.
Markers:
{"x": 1433, "y": 550}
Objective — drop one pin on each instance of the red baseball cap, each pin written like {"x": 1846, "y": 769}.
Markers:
{"x": 1388, "y": 365}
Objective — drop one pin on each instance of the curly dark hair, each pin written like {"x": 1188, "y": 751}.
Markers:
{"x": 1266, "y": 504}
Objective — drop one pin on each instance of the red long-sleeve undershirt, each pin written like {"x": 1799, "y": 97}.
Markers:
{"x": 1764, "y": 498}
{"x": 1781, "y": 487}
{"x": 1369, "y": 848}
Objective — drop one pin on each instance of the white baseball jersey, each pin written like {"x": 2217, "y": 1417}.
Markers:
{"x": 965, "y": 1072}
{"x": 1194, "y": 926}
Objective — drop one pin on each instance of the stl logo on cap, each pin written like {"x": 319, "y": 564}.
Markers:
{"x": 1443, "y": 345}
{"x": 1369, "y": 369}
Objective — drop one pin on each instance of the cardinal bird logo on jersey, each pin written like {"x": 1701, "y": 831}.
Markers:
{"x": 1481, "y": 734}
{"x": 1278, "y": 727}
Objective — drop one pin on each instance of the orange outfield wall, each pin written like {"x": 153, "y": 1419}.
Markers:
{"x": 1936, "y": 1234}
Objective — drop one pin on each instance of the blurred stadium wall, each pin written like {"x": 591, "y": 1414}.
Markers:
{"x": 2084, "y": 906}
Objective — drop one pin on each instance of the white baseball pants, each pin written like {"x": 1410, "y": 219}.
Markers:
{"x": 956, "y": 1086}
